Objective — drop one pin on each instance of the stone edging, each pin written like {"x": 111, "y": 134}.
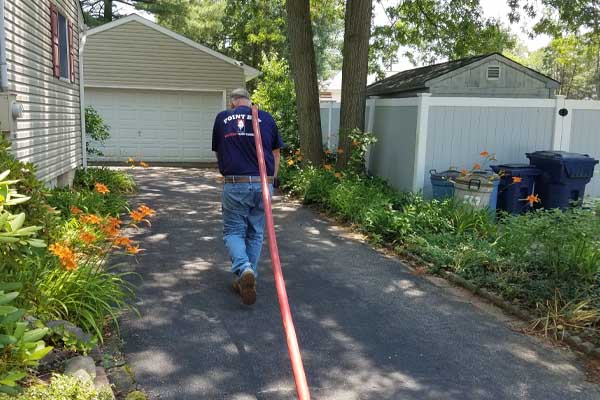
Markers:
{"x": 572, "y": 340}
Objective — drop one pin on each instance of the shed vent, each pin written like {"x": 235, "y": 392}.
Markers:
{"x": 493, "y": 72}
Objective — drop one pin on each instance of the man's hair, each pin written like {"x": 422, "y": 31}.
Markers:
{"x": 239, "y": 94}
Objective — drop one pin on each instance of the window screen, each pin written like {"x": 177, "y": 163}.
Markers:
{"x": 63, "y": 40}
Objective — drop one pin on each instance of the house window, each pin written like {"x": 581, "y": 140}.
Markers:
{"x": 63, "y": 46}
{"x": 493, "y": 72}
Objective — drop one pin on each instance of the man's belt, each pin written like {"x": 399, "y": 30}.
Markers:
{"x": 246, "y": 179}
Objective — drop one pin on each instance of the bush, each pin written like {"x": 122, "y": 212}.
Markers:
{"x": 62, "y": 388}
{"x": 96, "y": 129}
{"x": 118, "y": 181}
{"x": 526, "y": 257}
{"x": 88, "y": 201}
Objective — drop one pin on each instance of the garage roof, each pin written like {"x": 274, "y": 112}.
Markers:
{"x": 249, "y": 72}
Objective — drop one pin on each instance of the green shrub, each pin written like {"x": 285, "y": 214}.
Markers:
{"x": 90, "y": 202}
{"x": 96, "y": 129}
{"x": 62, "y": 388}
{"x": 118, "y": 181}
{"x": 21, "y": 347}
{"x": 37, "y": 210}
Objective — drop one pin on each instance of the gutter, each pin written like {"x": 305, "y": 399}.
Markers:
{"x": 3, "y": 64}
{"x": 82, "y": 40}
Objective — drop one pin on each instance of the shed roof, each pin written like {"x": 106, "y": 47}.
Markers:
{"x": 249, "y": 72}
{"x": 417, "y": 79}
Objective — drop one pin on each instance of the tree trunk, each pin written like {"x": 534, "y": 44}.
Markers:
{"x": 108, "y": 10}
{"x": 354, "y": 73}
{"x": 304, "y": 68}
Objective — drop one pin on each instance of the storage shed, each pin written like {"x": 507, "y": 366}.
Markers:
{"x": 158, "y": 90}
{"x": 490, "y": 75}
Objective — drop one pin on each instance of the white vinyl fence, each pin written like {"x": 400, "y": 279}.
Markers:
{"x": 418, "y": 134}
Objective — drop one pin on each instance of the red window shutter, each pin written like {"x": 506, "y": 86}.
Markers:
{"x": 55, "y": 42}
{"x": 71, "y": 51}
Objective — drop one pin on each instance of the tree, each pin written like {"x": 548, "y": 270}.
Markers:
{"x": 437, "y": 29}
{"x": 561, "y": 18}
{"x": 354, "y": 73}
{"x": 97, "y": 12}
{"x": 304, "y": 69}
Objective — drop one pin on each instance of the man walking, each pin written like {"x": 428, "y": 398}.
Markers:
{"x": 242, "y": 205}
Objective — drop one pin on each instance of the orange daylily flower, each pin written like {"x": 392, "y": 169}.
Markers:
{"x": 340, "y": 150}
{"x": 299, "y": 158}
{"x": 517, "y": 179}
{"x": 464, "y": 171}
{"x": 484, "y": 154}
{"x": 101, "y": 188}
{"x": 122, "y": 241}
{"x": 328, "y": 167}
{"x": 532, "y": 199}
{"x": 297, "y": 152}
{"x": 87, "y": 238}
{"x": 136, "y": 216}
{"x": 143, "y": 164}
{"x": 290, "y": 162}
{"x": 355, "y": 143}
{"x": 476, "y": 166}
{"x": 91, "y": 219}
{"x": 338, "y": 175}
{"x": 133, "y": 249}
{"x": 146, "y": 211}
{"x": 112, "y": 226}
{"x": 65, "y": 255}
{"x": 130, "y": 160}
{"x": 75, "y": 210}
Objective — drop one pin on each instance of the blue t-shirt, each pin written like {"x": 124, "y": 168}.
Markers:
{"x": 233, "y": 140}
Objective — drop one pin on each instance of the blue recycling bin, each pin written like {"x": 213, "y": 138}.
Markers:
{"x": 564, "y": 177}
{"x": 512, "y": 193}
{"x": 442, "y": 183}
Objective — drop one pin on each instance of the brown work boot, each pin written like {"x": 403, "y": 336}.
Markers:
{"x": 247, "y": 287}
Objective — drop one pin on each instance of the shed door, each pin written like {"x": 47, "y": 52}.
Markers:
{"x": 165, "y": 126}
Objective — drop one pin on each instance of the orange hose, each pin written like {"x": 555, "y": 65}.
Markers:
{"x": 286, "y": 314}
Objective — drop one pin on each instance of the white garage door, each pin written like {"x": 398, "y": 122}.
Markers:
{"x": 156, "y": 125}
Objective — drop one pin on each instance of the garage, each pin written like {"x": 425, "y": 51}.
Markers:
{"x": 159, "y": 126}
{"x": 158, "y": 91}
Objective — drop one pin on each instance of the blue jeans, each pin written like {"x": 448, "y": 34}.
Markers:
{"x": 243, "y": 224}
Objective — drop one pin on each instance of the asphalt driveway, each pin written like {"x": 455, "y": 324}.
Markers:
{"x": 368, "y": 328}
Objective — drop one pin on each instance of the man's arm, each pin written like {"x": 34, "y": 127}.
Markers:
{"x": 277, "y": 156}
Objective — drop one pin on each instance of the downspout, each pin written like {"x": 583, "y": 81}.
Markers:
{"x": 82, "y": 40}
{"x": 3, "y": 64}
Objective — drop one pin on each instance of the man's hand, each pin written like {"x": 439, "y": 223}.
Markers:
{"x": 277, "y": 156}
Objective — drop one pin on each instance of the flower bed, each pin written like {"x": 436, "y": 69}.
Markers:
{"x": 546, "y": 261}
{"x": 54, "y": 246}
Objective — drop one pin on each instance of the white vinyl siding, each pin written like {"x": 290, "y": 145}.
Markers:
{"x": 49, "y": 131}
{"x": 134, "y": 55}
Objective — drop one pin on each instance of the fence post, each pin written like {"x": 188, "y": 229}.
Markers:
{"x": 561, "y": 138}
{"x": 329, "y": 124}
{"x": 423, "y": 100}
{"x": 370, "y": 120}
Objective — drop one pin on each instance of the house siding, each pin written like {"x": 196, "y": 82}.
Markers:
{"x": 134, "y": 55}
{"x": 48, "y": 133}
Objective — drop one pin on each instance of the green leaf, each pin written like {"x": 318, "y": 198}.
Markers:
{"x": 4, "y": 174}
{"x": 12, "y": 318}
{"x": 35, "y": 335}
{"x": 40, "y": 353}
{"x": 8, "y": 297}
{"x": 8, "y": 239}
{"x": 12, "y": 378}
{"x": 6, "y": 286}
{"x": 18, "y": 222}
{"x": 5, "y": 310}
{"x": 6, "y": 340}
{"x": 20, "y": 330}
{"x": 38, "y": 243}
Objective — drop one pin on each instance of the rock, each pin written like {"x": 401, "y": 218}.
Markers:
{"x": 122, "y": 380}
{"x": 586, "y": 347}
{"x": 81, "y": 367}
{"x": 70, "y": 328}
{"x": 573, "y": 340}
{"x": 101, "y": 382}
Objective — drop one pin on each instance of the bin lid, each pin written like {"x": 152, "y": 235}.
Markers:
{"x": 576, "y": 165}
{"x": 516, "y": 169}
{"x": 563, "y": 156}
{"x": 444, "y": 175}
